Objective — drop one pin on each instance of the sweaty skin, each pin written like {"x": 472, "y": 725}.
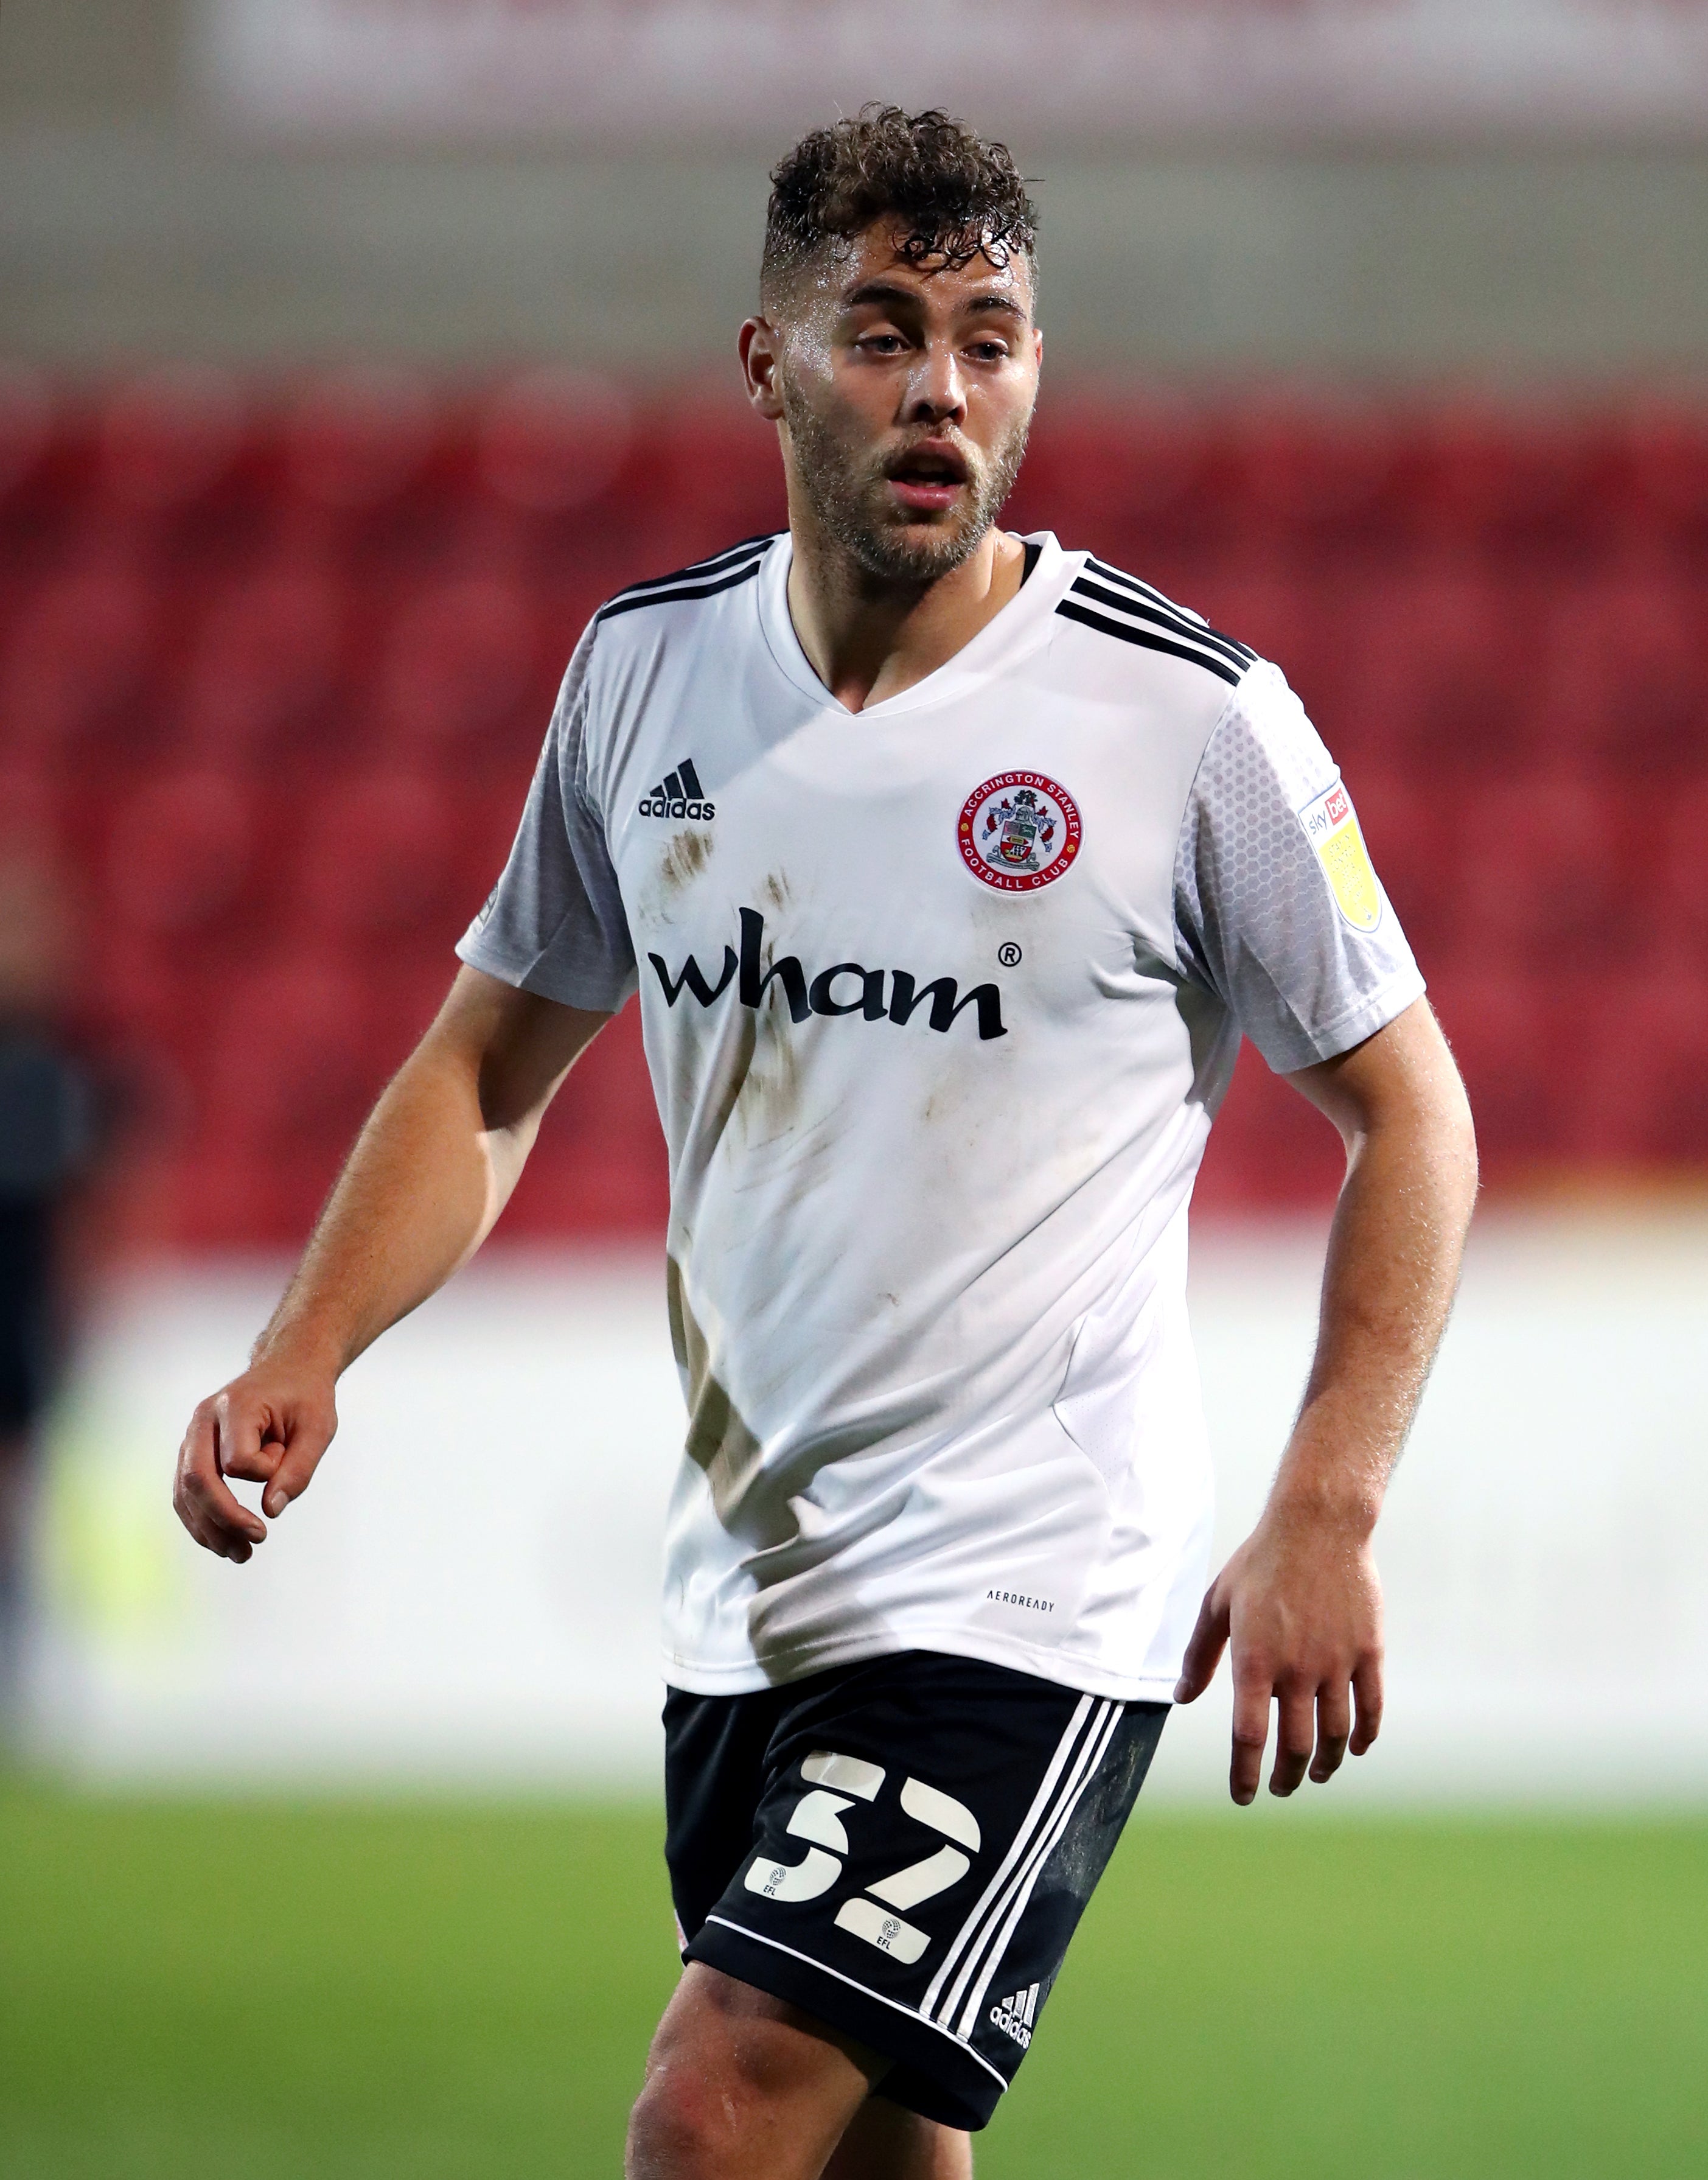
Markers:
{"x": 902, "y": 393}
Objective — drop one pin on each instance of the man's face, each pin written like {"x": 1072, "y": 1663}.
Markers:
{"x": 906, "y": 391}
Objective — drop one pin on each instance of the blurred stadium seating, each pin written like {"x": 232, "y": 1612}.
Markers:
{"x": 275, "y": 663}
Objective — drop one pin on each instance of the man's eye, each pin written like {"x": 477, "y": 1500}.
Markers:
{"x": 990, "y": 351}
{"x": 884, "y": 343}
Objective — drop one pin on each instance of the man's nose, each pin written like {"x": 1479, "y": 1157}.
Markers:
{"x": 937, "y": 392}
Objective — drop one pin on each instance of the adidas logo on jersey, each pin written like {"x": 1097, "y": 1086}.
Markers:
{"x": 849, "y": 988}
{"x": 678, "y": 795}
{"x": 1013, "y": 2016}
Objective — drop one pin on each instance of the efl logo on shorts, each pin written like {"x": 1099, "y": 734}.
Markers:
{"x": 1018, "y": 831}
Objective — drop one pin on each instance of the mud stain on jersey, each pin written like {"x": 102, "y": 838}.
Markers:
{"x": 769, "y": 1099}
{"x": 686, "y": 858}
{"x": 768, "y": 1096}
{"x": 949, "y": 1097}
{"x": 719, "y": 1441}
{"x": 727, "y": 1078}
{"x": 774, "y": 888}
{"x": 752, "y": 1075}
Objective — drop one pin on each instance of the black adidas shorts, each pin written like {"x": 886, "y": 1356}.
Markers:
{"x": 902, "y": 1848}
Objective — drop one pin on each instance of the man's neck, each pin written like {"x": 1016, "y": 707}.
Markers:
{"x": 867, "y": 638}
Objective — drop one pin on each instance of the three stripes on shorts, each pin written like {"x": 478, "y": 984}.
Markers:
{"x": 956, "y": 1995}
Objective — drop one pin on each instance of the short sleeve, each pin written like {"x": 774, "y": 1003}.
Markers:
{"x": 554, "y": 923}
{"x": 1277, "y": 910}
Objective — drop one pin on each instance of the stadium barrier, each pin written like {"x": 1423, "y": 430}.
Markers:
{"x": 469, "y": 1593}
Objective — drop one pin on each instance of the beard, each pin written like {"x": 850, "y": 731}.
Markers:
{"x": 850, "y": 495}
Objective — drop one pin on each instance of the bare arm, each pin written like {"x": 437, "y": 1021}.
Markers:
{"x": 1300, "y": 1600}
{"x": 429, "y": 1175}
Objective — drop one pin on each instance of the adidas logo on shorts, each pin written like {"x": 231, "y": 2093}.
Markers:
{"x": 678, "y": 795}
{"x": 1013, "y": 2016}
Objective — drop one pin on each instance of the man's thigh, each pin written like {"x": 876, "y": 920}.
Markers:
{"x": 740, "y": 2082}
{"x": 883, "y": 2141}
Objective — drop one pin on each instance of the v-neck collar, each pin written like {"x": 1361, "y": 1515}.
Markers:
{"x": 1024, "y": 619}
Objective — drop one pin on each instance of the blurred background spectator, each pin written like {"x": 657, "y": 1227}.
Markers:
{"x": 47, "y": 1126}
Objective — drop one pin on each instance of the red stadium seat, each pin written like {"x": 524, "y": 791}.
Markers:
{"x": 375, "y": 863}
{"x": 180, "y": 856}
{"x": 1480, "y": 472}
{"x": 1641, "y": 1066}
{"x": 356, "y": 440}
{"x": 415, "y": 986}
{"x": 283, "y": 1086}
{"x": 80, "y": 666}
{"x": 1672, "y": 848}
{"x": 148, "y": 995}
{"x": 1505, "y": 1033}
{"x": 266, "y": 665}
{"x": 715, "y": 475}
{"x": 168, "y": 440}
{"x": 1310, "y": 469}
{"x": 288, "y": 1060}
{"x": 1543, "y": 866}
{"x": 146, "y": 1012}
{"x": 1663, "y": 443}
{"x": 30, "y": 808}
{"x": 1623, "y": 682}
{"x": 1112, "y": 472}
{"x": 28, "y": 417}
{"x": 464, "y": 663}
{"x": 599, "y": 1166}
{"x": 1440, "y": 671}
{"x": 566, "y": 607}
{"x": 550, "y": 441}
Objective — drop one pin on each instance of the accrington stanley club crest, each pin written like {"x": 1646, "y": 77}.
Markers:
{"x": 1018, "y": 831}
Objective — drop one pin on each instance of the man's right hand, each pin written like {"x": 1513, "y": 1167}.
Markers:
{"x": 270, "y": 1426}
{"x": 429, "y": 1174}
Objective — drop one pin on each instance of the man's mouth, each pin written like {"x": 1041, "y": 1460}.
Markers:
{"x": 927, "y": 477}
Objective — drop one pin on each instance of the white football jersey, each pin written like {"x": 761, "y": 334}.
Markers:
{"x": 939, "y": 999}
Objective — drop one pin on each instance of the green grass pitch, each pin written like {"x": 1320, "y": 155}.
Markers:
{"x": 200, "y": 1990}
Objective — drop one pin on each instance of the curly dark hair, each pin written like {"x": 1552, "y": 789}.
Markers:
{"x": 953, "y": 195}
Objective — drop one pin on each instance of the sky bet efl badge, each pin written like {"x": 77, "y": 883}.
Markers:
{"x": 1331, "y": 826}
{"x": 1018, "y": 831}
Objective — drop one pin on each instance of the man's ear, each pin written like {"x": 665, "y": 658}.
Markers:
{"x": 761, "y": 348}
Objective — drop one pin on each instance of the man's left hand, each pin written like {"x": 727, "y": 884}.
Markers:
{"x": 1300, "y": 1603}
